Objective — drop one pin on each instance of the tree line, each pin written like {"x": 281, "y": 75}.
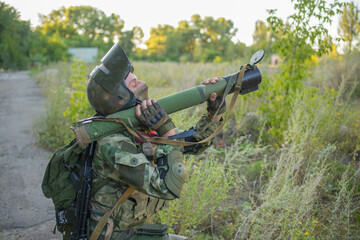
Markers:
{"x": 198, "y": 40}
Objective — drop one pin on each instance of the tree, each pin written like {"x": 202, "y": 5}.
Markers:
{"x": 81, "y": 26}
{"x": 303, "y": 35}
{"x": 200, "y": 39}
{"x": 46, "y": 49}
{"x": 214, "y": 36}
{"x": 156, "y": 44}
{"x": 93, "y": 23}
{"x": 85, "y": 21}
{"x": 138, "y": 35}
{"x": 264, "y": 37}
{"x": 14, "y": 38}
{"x": 349, "y": 24}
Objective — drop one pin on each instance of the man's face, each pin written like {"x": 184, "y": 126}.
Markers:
{"x": 132, "y": 82}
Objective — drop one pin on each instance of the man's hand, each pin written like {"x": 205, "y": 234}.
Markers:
{"x": 152, "y": 115}
{"x": 214, "y": 101}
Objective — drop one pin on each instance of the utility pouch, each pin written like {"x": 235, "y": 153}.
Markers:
{"x": 64, "y": 217}
{"x": 152, "y": 230}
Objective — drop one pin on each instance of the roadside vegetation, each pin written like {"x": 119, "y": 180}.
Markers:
{"x": 287, "y": 164}
{"x": 301, "y": 181}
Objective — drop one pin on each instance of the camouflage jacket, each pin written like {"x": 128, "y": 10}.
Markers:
{"x": 119, "y": 163}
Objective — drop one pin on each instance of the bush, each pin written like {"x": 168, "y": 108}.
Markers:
{"x": 79, "y": 106}
{"x": 62, "y": 83}
{"x": 190, "y": 214}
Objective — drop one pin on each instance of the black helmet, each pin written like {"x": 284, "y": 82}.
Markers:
{"x": 106, "y": 90}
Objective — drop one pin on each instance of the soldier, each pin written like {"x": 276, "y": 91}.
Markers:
{"x": 156, "y": 171}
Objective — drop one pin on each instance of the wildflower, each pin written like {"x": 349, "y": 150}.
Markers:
{"x": 328, "y": 106}
{"x": 312, "y": 99}
{"x": 338, "y": 104}
{"x": 174, "y": 121}
{"x": 338, "y": 114}
{"x": 306, "y": 233}
{"x": 300, "y": 223}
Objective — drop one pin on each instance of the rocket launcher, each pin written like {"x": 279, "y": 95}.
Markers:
{"x": 90, "y": 129}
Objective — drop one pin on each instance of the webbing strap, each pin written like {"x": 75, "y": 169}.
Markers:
{"x": 161, "y": 140}
{"x": 101, "y": 224}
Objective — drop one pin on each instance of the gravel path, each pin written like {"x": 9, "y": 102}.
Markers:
{"x": 25, "y": 212}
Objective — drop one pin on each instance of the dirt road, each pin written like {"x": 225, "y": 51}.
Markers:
{"x": 24, "y": 212}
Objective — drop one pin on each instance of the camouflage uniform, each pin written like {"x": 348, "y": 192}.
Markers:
{"x": 119, "y": 163}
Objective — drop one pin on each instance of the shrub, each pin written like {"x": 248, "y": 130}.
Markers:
{"x": 79, "y": 106}
{"x": 62, "y": 82}
{"x": 191, "y": 213}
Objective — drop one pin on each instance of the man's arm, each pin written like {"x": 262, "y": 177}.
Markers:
{"x": 169, "y": 164}
{"x": 204, "y": 128}
{"x": 207, "y": 124}
{"x": 118, "y": 158}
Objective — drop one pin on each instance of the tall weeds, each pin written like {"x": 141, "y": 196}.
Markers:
{"x": 299, "y": 202}
{"x": 266, "y": 177}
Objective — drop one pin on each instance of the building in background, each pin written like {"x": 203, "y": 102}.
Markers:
{"x": 86, "y": 54}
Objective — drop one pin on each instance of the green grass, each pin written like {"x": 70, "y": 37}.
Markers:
{"x": 265, "y": 177}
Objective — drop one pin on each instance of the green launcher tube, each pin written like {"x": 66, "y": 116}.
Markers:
{"x": 91, "y": 129}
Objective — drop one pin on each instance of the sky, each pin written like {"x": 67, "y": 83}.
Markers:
{"x": 149, "y": 13}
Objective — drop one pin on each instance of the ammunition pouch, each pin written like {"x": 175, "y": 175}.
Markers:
{"x": 150, "y": 231}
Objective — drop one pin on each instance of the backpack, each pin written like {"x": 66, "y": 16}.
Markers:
{"x": 62, "y": 170}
